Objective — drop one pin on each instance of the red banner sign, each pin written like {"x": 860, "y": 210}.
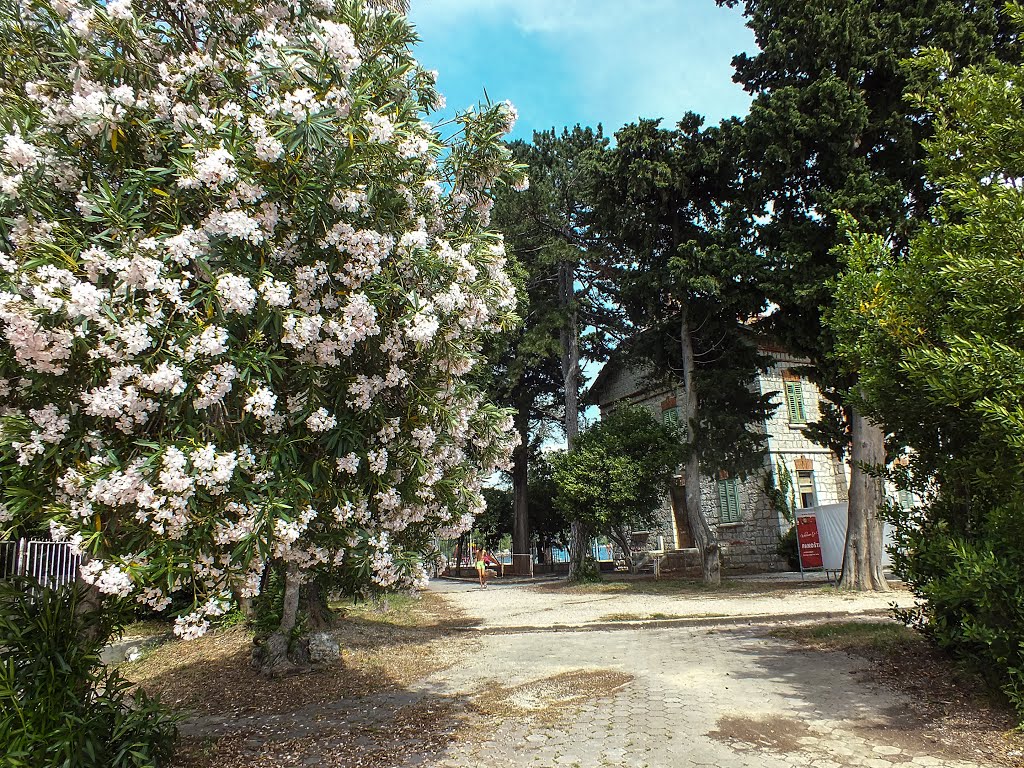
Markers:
{"x": 810, "y": 544}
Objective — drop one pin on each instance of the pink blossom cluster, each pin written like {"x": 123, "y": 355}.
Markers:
{"x": 242, "y": 281}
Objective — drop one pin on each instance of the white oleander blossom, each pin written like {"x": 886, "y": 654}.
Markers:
{"x": 236, "y": 294}
{"x": 242, "y": 283}
{"x": 321, "y": 421}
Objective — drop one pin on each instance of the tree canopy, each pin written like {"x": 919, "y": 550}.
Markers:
{"x": 934, "y": 334}
{"x": 828, "y": 131}
{"x": 615, "y": 476}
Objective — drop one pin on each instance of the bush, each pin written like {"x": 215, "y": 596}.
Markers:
{"x": 973, "y": 593}
{"x": 589, "y": 572}
{"x": 60, "y": 707}
{"x": 789, "y": 549}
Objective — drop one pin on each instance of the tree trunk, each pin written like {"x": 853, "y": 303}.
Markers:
{"x": 569, "y": 337}
{"x": 621, "y": 537}
{"x": 862, "y": 559}
{"x": 703, "y": 537}
{"x": 318, "y": 613}
{"x": 90, "y": 601}
{"x": 522, "y": 562}
{"x": 458, "y": 555}
{"x": 271, "y": 655}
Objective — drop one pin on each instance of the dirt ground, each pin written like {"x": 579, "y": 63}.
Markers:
{"x": 465, "y": 676}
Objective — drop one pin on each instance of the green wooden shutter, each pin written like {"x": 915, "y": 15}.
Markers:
{"x": 795, "y": 402}
{"x": 728, "y": 501}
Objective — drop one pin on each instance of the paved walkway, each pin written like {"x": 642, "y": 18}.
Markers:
{"x": 658, "y": 696}
{"x": 548, "y": 606}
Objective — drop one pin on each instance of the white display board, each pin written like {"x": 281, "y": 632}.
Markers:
{"x": 831, "y": 519}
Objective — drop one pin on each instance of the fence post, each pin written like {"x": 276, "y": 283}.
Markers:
{"x": 21, "y": 558}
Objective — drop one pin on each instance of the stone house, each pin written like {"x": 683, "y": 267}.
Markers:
{"x": 740, "y": 512}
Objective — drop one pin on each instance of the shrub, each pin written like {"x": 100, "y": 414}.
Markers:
{"x": 588, "y": 572}
{"x": 60, "y": 707}
{"x": 973, "y": 593}
{"x": 789, "y": 550}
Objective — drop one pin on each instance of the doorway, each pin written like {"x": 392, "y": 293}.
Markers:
{"x": 684, "y": 537}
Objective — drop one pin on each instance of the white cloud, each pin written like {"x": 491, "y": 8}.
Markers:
{"x": 649, "y": 58}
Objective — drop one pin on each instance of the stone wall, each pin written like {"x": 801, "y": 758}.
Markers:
{"x": 749, "y": 544}
{"x": 786, "y": 442}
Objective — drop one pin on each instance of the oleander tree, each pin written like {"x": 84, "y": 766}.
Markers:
{"x": 242, "y": 283}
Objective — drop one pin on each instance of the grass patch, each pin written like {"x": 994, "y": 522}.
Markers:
{"x": 864, "y": 637}
{"x": 641, "y": 616}
{"x": 393, "y": 610}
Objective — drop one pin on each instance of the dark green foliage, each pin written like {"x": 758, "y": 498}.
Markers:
{"x": 677, "y": 263}
{"x": 496, "y": 521}
{"x": 782, "y": 494}
{"x": 618, "y": 473}
{"x": 789, "y": 549}
{"x": 543, "y": 226}
{"x": 972, "y": 587}
{"x": 936, "y": 336}
{"x": 545, "y": 236}
{"x": 588, "y": 571}
{"x": 548, "y": 523}
{"x": 829, "y": 130}
{"x": 59, "y": 706}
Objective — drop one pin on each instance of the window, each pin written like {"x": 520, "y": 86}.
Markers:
{"x": 670, "y": 416}
{"x": 805, "y": 488}
{"x": 795, "y": 403}
{"x": 906, "y": 499}
{"x": 728, "y": 501}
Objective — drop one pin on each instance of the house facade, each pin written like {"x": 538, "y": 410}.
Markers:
{"x": 740, "y": 511}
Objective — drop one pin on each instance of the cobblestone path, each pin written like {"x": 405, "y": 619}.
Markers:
{"x": 550, "y": 679}
{"x": 680, "y": 696}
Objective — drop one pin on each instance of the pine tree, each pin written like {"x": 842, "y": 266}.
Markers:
{"x": 683, "y": 280}
{"x": 546, "y": 230}
{"x": 829, "y": 130}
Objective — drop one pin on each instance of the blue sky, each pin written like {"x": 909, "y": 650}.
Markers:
{"x": 563, "y": 62}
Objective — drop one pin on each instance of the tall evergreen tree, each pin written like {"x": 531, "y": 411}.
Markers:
{"x": 829, "y": 130}
{"x": 946, "y": 317}
{"x": 545, "y": 231}
{"x": 683, "y": 279}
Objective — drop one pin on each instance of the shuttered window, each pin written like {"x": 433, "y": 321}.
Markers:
{"x": 728, "y": 501}
{"x": 795, "y": 403}
{"x": 805, "y": 488}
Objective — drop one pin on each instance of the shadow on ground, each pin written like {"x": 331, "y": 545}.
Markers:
{"x": 370, "y": 708}
{"x": 909, "y": 696}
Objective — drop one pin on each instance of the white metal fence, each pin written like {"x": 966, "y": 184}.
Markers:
{"x": 51, "y": 563}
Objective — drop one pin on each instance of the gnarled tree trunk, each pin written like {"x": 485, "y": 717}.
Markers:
{"x": 862, "y": 559}
{"x": 522, "y": 561}
{"x": 271, "y": 655}
{"x": 703, "y": 536}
